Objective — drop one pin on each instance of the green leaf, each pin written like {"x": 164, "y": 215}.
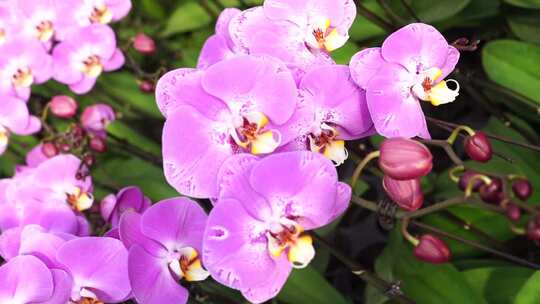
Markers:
{"x": 525, "y": 3}
{"x": 423, "y": 282}
{"x": 119, "y": 172}
{"x": 153, "y": 9}
{"x": 121, "y": 131}
{"x": 526, "y": 27}
{"x": 431, "y": 11}
{"x": 530, "y": 292}
{"x": 343, "y": 54}
{"x": 308, "y": 286}
{"x": 123, "y": 87}
{"x": 499, "y": 285}
{"x": 514, "y": 65}
{"x": 187, "y": 17}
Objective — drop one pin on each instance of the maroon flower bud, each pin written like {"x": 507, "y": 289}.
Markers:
{"x": 404, "y": 159}
{"x": 65, "y": 147}
{"x": 89, "y": 160}
{"x": 406, "y": 193}
{"x": 144, "y": 44}
{"x": 466, "y": 177}
{"x": 146, "y": 86}
{"x": 513, "y": 212}
{"x": 98, "y": 144}
{"x": 492, "y": 193}
{"x": 533, "y": 229}
{"x": 432, "y": 250}
{"x": 96, "y": 118}
{"x": 49, "y": 149}
{"x": 478, "y": 147}
{"x": 522, "y": 189}
{"x": 63, "y": 106}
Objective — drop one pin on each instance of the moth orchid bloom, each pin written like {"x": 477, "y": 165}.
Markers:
{"x": 81, "y": 13}
{"x": 84, "y": 55}
{"x": 165, "y": 244}
{"x": 252, "y": 32}
{"x": 239, "y": 105}
{"x": 97, "y": 117}
{"x": 335, "y": 109}
{"x": 14, "y": 118}
{"x": 24, "y": 62}
{"x": 256, "y": 232}
{"x": 410, "y": 66}
{"x": 26, "y": 279}
{"x": 37, "y": 19}
{"x": 325, "y": 23}
{"x": 98, "y": 267}
{"x": 220, "y": 45}
{"x": 128, "y": 198}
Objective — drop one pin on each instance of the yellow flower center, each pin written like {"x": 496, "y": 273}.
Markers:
{"x": 2, "y": 35}
{"x": 92, "y": 66}
{"x": 45, "y": 30}
{"x": 436, "y": 93}
{"x": 327, "y": 143}
{"x": 325, "y": 37}
{"x": 101, "y": 14}
{"x": 288, "y": 236}
{"x": 187, "y": 265}
{"x": 79, "y": 200}
{"x": 251, "y": 136}
{"x": 22, "y": 78}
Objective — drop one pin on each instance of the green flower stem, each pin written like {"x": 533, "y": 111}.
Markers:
{"x": 362, "y": 165}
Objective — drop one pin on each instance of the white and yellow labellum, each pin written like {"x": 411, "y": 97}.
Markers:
{"x": 188, "y": 266}
{"x": 4, "y": 138}
{"x": 2, "y": 36}
{"x": 288, "y": 238}
{"x": 327, "y": 144}
{"x": 80, "y": 200}
{"x": 92, "y": 66}
{"x": 437, "y": 94}
{"x": 22, "y": 78}
{"x": 253, "y": 138}
{"x": 45, "y": 30}
{"x": 87, "y": 297}
{"x": 101, "y": 14}
{"x": 322, "y": 36}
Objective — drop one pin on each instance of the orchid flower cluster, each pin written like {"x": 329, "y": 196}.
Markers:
{"x": 260, "y": 125}
{"x": 68, "y": 41}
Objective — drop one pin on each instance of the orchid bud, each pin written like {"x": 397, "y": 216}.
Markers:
{"x": 406, "y": 193}
{"x": 65, "y": 148}
{"x": 432, "y": 250}
{"x": 98, "y": 144}
{"x": 96, "y": 118}
{"x": 522, "y": 189}
{"x": 533, "y": 229}
{"x": 492, "y": 193}
{"x": 478, "y": 147}
{"x": 144, "y": 44}
{"x": 49, "y": 149}
{"x": 405, "y": 159}
{"x": 63, "y": 106}
{"x": 466, "y": 177}
{"x": 146, "y": 86}
{"x": 513, "y": 212}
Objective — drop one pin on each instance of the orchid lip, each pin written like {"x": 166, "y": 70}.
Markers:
{"x": 79, "y": 200}
{"x": 287, "y": 236}
{"x": 23, "y": 77}
{"x": 428, "y": 88}
{"x": 101, "y": 14}
{"x": 45, "y": 30}
{"x": 92, "y": 66}
{"x": 327, "y": 143}
{"x": 185, "y": 263}
{"x": 87, "y": 297}
{"x": 323, "y": 36}
{"x": 250, "y": 134}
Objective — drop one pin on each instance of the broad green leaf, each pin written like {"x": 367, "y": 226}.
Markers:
{"x": 131, "y": 136}
{"x": 423, "y": 282}
{"x": 153, "y": 9}
{"x": 530, "y": 292}
{"x": 343, "y": 55}
{"x": 525, "y": 3}
{"x": 499, "y": 285}
{"x": 514, "y": 64}
{"x": 187, "y": 17}
{"x": 119, "y": 172}
{"x": 123, "y": 87}
{"x": 526, "y": 26}
{"x": 362, "y": 28}
{"x": 428, "y": 10}
{"x": 308, "y": 286}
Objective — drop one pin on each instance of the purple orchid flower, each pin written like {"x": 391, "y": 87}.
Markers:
{"x": 300, "y": 33}
{"x": 129, "y": 198}
{"x": 24, "y": 62}
{"x": 14, "y": 118}
{"x": 37, "y": 19}
{"x": 220, "y": 45}
{"x": 333, "y": 109}
{"x": 410, "y": 66}
{"x": 95, "y": 118}
{"x": 98, "y": 267}
{"x": 84, "y": 55}
{"x": 238, "y": 105}
{"x": 81, "y": 13}
{"x": 26, "y": 279}
{"x": 256, "y": 234}
{"x": 164, "y": 247}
